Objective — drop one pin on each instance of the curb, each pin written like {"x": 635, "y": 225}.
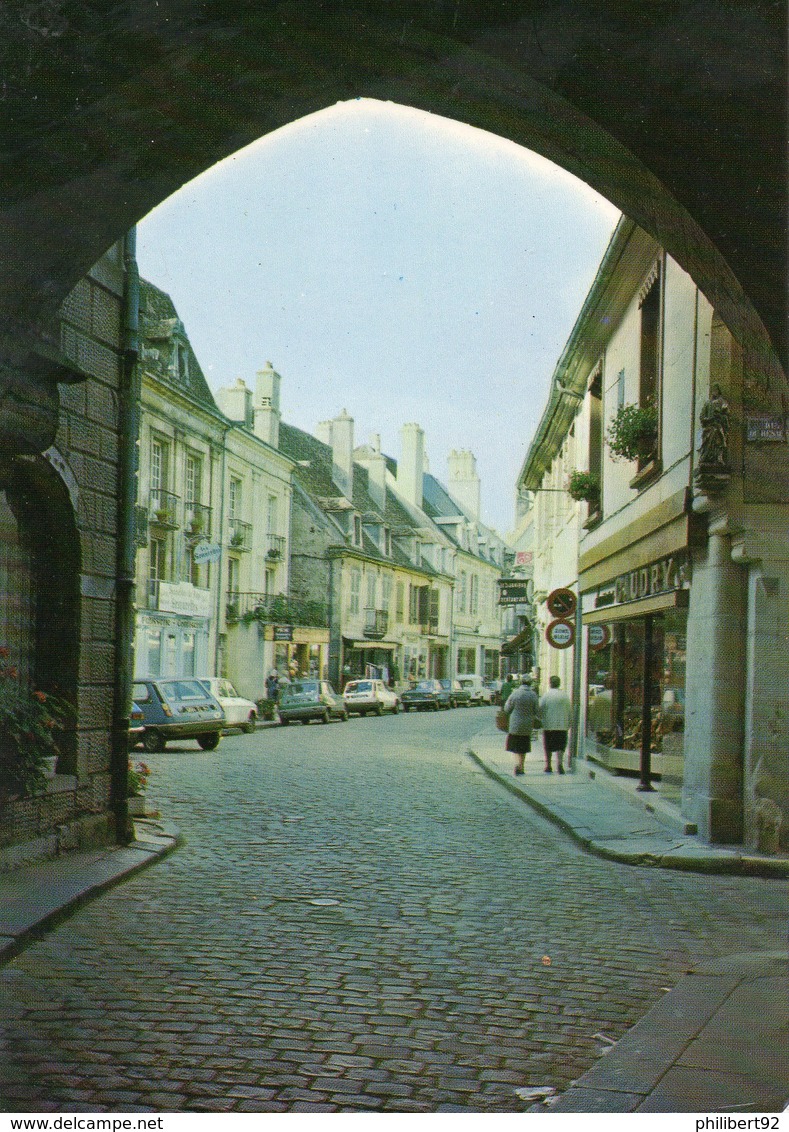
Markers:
{"x": 100, "y": 874}
{"x": 708, "y": 861}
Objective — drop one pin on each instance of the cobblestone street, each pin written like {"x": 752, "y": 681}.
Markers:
{"x": 357, "y": 919}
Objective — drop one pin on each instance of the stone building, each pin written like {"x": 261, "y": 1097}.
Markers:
{"x": 213, "y": 513}
{"x": 59, "y": 576}
{"x": 682, "y": 559}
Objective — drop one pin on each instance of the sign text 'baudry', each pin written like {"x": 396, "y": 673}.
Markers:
{"x": 664, "y": 576}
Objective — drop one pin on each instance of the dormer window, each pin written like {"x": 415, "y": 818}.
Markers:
{"x": 387, "y": 547}
{"x": 357, "y": 530}
{"x": 181, "y": 362}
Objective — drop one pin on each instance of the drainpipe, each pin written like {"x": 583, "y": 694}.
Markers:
{"x": 126, "y": 555}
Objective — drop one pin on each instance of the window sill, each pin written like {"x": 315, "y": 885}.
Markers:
{"x": 594, "y": 519}
{"x": 647, "y": 475}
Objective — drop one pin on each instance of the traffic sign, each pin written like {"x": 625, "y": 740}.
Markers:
{"x": 599, "y": 636}
{"x": 561, "y": 603}
{"x": 560, "y": 634}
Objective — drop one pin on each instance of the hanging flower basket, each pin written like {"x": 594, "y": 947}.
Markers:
{"x": 584, "y": 486}
{"x": 632, "y": 432}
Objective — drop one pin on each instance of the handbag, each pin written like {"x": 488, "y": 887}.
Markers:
{"x": 502, "y": 720}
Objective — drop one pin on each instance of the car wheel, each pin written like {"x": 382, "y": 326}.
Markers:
{"x": 249, "y": 726}
{"x": 379, "y": 709}
{"x": 396, "y": 707}
{"x": 326, "y": 717}
{"x": 435, "y": 706}
{"x": 405, "y": 708}
{"x": 209, "y": 742}
{"x": 153, "y": 741}
{"x": 283, "y": 722}
{"x": 304, "y": 722}
{"x": 344, "y": 717}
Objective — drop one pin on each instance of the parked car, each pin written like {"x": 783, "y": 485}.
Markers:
{"x": 178, "y": 709}
{"x": 309, "y": 699}
{"x": 136, "y": 725}
{"x": 239, "y": 712}
{"x": 478, "y": 691}
{"x": 425, "y": 695}
{"x": 494, "y": 687}
{"x": 364, "y": 696}
{"x": 459, "y": 695}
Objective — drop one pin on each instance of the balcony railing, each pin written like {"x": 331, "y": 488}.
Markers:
{"x": 276, "y": 609}
{"x": 197, "y": 519}
{"x": 240, "y": 535}
{"x": 164, "y": 508}
{"x": 376, "y": 623}
{"x": 429, "y": 628}
{"x": 275, "y": 547}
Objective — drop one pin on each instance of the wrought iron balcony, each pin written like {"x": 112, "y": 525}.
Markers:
{"x": 163, "y": 508}
{"x": 275, "y": 547}
{"x": 276, "y": 609}
{"x": 240, "y": 535}
{"x": 376, "y": 623}
{"x": 197, "y": 519}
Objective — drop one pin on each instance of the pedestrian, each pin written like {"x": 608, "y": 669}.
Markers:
{"x": 556, "y": 715}
{"x": 508, "y": 687}
{"x": 521, "y": 706}
{"x": 272, "y": 685}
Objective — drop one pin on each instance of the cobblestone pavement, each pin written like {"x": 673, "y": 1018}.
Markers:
{"x": 358, "y": 919}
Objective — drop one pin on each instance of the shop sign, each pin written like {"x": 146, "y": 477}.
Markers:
{"x": 561, "y": 602}
{"x": 524, "y": 557}
{"x": 560, "y": 634}
{"x": 283, "y": 632}
{"x": 515, "y": 591}
{"x": 184, "y": 598}
{"x": 207, "y": 552}
{"x": 598, "y": 636}
{"x": 664, "y": 576}
{"x": 765, "y": 428}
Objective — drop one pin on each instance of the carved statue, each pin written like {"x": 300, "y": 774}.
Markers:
{"x": 714, "y": 447}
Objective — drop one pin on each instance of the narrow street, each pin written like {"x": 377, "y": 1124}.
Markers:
{"x": 357, "y": 919}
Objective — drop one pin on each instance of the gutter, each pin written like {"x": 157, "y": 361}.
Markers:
{"x": 126, "y": 550}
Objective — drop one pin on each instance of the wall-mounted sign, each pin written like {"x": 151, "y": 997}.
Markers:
{"x": 283, "y": 632}
{"x": 515, "y": 591}
{"x": 207, "y": 552}
{"x": 524, "y": 557}
{"x": 659, "y": 577}
{"x": 598, "y": 636}
{"x": 765, "y": 428}
{"x": 560, "y": 634}
{"x": 561, "y": 603}
{"x": 184, "y": 598}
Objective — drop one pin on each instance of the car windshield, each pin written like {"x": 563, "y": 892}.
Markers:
{"x": 302, "y": 686}
{"x": 359, "y": 686}
{"x": 424, "y": 686}
{"x": 180, "y": 690}
{"x": 141, "y": 693}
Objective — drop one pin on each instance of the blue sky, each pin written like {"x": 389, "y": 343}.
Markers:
{"x": 393, "y": 263}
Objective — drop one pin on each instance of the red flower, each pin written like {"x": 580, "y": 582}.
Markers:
{"x": 41, "y": 697}
{"x": 5, "y": 652}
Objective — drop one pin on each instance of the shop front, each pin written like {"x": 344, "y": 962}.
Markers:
{"x": 298, "y": 651}
{"x": 634, "y": 652}
{"x": 375, "y": 660}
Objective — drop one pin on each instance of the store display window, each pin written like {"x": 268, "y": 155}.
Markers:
{"x": 618, "y": 672}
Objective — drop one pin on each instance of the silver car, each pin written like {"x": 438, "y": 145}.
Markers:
{"x": 304, "y": 700}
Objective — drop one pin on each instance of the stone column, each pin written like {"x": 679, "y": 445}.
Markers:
{"x": 715, "y": 691}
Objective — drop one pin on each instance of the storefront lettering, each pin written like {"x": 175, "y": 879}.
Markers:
{"x": 660, "y": 577}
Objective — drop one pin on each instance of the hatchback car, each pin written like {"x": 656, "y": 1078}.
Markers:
{"x": 479, "y": 693}
{"x": 364, "y": 696}
{"x": 178, "y": 709}
{"x": 304, "y": 700}
{"x": 239, "y": 712}
{"x": 425, "y": 695}
{"x": 457, "y": 694}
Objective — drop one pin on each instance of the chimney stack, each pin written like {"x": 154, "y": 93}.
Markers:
{"x": 464, "y": 482}
{"x": 235, "y": 401}
{"x": 266, "y": 405}
{"x": 412, "y": 463}
{"x": 342, "y": 453}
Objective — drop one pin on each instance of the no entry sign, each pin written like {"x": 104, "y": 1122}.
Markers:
{"x": 561, "y": 603}
{"x": 560, "y": 634}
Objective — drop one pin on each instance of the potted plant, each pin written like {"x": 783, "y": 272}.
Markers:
{"x": 136, "y": 782}
{"x": 30, "y": 721}
{"x": 585, "y": 486}
{"x": 164, "y": 516}
{"x": 632, "y": 432}
{"x": 273, "y": 554}
{"x": 237, "y": 538}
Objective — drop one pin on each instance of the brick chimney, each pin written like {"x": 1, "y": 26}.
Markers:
{"x": 266, "y": 405}
{"x": 411, "y": 467}
{"x": 464, "y": 481}
{"x": 342, "y": 453}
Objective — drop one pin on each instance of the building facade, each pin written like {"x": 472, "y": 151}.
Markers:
{"x": 682, "y": 567}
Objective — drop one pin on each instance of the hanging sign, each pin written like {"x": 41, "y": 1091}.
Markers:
{"x": 561, "y": 603}
{"x": 598, "y": 636}
{"x": 207, "y": 552}
{"x": 560, "y": 634}
{"x": 515, "y": 591}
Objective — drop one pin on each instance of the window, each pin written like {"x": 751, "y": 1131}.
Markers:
{"x": 595, "y": 454}
{"x": 462, "y": 588}
{"x": 191, "y": 569}
{"x": 371, "y": 591}
{"x": 386, "y": 592}
{"x": 650, "y": 359}
{"x": 473, "y": 594}
{"x": 356, "y": 585}
{"x": 233, "y": 575}
{"x": 160, "y": 459}
{"x": 234, "y": 499}
{"x": 387, "y": 542}
{"x": 467, "y": 662}
{"x": 193, "y": 478}
{"x": 357, "y": 530}
{"x": 271, "y": 515}
{"x": 157, "y": 559}
{"x": 400, "y": 602}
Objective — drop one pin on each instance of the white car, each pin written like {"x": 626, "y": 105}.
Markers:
{"x": 239, "y": 712}
{"x": 480, "y": 692}
{"x": 364, "y": 696}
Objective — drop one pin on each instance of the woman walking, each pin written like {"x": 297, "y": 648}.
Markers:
{"x": 521, "y": 708}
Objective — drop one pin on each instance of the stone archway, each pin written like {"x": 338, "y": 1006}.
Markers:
{"x": 674, "y": 114}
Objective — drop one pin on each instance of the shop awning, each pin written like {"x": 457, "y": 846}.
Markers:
{"x": 523, "y": 638}
{"x": 627, "y": 611}
{"x": 368, "y": 644}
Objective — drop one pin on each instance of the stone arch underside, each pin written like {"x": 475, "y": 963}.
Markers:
{"x": 673, "y": 112}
